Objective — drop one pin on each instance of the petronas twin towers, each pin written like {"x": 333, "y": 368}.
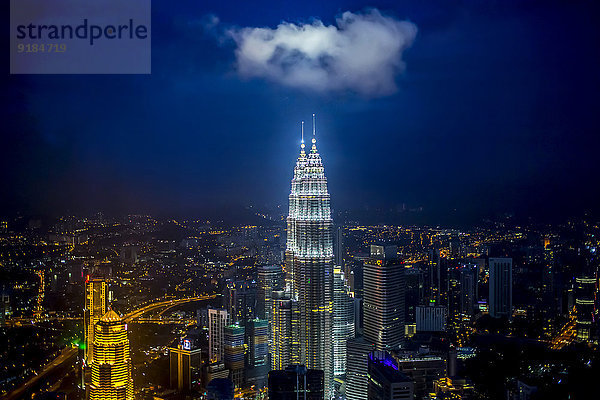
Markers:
{"x": 309, "y": 260}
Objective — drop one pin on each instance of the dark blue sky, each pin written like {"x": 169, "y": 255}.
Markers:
{"x": 497, "y": 110}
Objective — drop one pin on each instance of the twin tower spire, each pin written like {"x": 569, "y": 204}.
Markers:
{"x": 314, "y": 138}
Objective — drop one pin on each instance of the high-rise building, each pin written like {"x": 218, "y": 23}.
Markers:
{"x": 286, "y": 317}
{"x": 383, "y": 306}
{"x": 431, "y": 319}
{"x": 96, "y": 305}
{"x": 415, "y": 291}
{"x": 296, "y": 382}
{"x": 185, "y": 364}
{"x": 386, "y": 382}
{"x": 357, "y": 364}
{"x": 585, "y": 307}
{"x": 218, "y": 319}
{"x": 257, "y": 364}
{"x": 235, "y": 353}
{"x": 468, "y": 289}
{"x": 240, "y": 299}
{"x": 433, "y": 281}
{"x": 500, "y": 287}
{"x": 309, "y": 260}
{"x": 111, "y": 363}
{"x": 270, "y": 279}
{"x": 343, "y": 321}
{"x": 258, "y": 342}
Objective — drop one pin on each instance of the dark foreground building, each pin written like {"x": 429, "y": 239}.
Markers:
{"x": 220, "y": 389}
{"x": 296, "y": 382}
{"x": 386, "y": 382}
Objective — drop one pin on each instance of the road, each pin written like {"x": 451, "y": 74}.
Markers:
{"x": 167, "y": 304}
{"x": 565, "y": 336}
{"x": 66, "y": 356}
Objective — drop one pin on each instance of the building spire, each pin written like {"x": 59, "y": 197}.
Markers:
{"x": 302, "y": 141}
{"x": 314, "y": 138}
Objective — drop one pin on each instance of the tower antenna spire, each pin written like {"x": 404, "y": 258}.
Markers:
{"x": 314, "y": 126}
{"x": 302, "y": 141}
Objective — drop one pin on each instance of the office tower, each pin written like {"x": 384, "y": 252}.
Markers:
{"x": 218, "y": 319}
{"x": 240, "y": 299}
{"x": 258, "y": 342}
{"x": 185, "y": 363}
{"x": 585, "y": 309}
{"x": 235, "y": 353}
{"x": 257, "y": 364}
{"x": 111, "y": 364}
{"x": 357, "y": 304}
{"x": 343, "y": 321}
{"x": 285, "y": 331}
{"x": 433, "y": 283}
{"x": 501, "y": 287}
{"x": 96, "y": 305}
{"x": 4, "y": 307}
{"x": 468, "y": 289}
{"x": 431, "y": 318}
{"x": 270, "y": 279}
{"x": 415, "y": 291}
{"x": 296, "y": 382}
{"x": 386, "y": 382}
{"x": 220, "y": 389}
{"x": 309, "y": 260}
{"x": 357, "y": 364}
{"x": 383, "y": 305}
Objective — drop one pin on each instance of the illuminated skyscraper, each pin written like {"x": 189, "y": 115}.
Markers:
{"x": 258, "y": 348}
{"x": 270, "y": 278}
{"x": 286, "y": 346}
{"x": 257, "y": 357}
{"x": 585, "y": 295}
{"x": 218, "y": 319}
{"x": 234, "y": 350}
{"x": 96, "y": 305}
{"x": 111, "y": 365}
{"x": 343, "y": 321}
{"x": 184, "y": 369}
{"x": 383, "y": 307}
{"x": 357, "y": 363}
{"x": 309, "y": 260}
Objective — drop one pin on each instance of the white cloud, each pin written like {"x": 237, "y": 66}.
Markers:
{"x": 362, "y": 53}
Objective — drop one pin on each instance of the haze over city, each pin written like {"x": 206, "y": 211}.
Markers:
{"x": 472, "y": 107}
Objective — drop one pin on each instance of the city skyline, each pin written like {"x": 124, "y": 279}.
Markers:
{"x": 172, "y": 229}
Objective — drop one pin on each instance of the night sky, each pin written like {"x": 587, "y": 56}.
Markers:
{"x": 496, "y": 109}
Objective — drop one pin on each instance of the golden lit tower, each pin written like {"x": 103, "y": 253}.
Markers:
{"x": 96, "y": 305}
{"x": 111, "y": 365}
